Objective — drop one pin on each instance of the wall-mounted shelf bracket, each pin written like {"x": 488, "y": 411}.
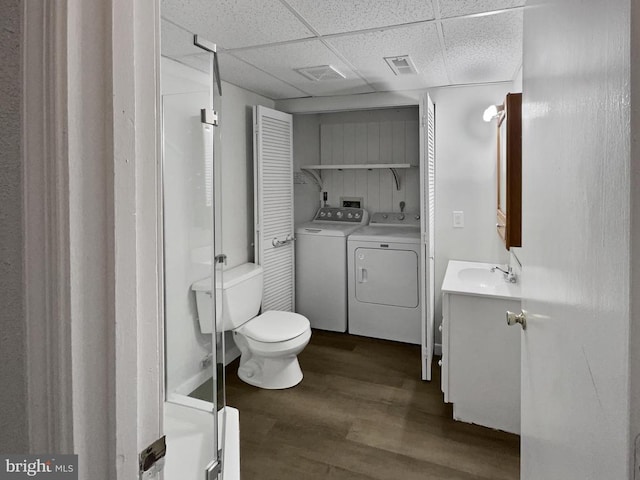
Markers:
{"x": 315, "y": 176}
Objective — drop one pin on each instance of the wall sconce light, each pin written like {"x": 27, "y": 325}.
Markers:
{"x": 492, "y": 112}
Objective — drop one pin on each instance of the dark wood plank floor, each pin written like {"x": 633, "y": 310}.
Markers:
{"x": 362, "y": 412}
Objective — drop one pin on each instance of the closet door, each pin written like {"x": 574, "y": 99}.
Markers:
{"x": 273, "y": 207}
{"x": 427, "y": 226}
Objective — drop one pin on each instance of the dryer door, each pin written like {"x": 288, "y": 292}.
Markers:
{"x": 387, "y": 277}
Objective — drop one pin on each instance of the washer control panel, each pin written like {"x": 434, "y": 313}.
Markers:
{"x": 395, "y": 219}
{"x": 342, "y": 215}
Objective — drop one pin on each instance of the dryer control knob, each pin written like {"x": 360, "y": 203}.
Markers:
{"x": 322, "y": 214}
{"x": 328, "y": 214}
{"x": 339, "y": 214}
{"x": 357, "y": 215}
{"x": 349, "y": 215}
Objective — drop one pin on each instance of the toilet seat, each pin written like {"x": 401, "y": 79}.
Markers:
{"x": 275, "y": 327}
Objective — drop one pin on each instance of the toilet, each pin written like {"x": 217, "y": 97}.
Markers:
{"x": 269, "y": 343}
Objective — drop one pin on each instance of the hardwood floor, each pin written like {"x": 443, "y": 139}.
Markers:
{"x": 362, "y": 412}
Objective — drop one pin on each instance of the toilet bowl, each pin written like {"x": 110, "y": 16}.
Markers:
{"x": 269, "y": 343}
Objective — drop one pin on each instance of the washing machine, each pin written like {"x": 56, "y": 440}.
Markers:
{"x": 321, "y": 266}
{"x": 384, "y": 278}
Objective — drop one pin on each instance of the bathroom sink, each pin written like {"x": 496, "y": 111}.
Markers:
{"x": 482, "y": 277}
{"x": 476, "y": 278}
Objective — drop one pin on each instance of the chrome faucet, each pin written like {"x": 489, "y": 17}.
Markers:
{"x": 509, "y": 276}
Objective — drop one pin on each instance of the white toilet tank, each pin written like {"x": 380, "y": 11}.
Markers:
{"x": 239, "y": 294}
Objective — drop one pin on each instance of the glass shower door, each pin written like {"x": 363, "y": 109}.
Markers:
{"x": 193, "y": 254}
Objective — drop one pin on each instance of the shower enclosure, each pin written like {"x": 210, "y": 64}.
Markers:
{"x": 192, "y": 210}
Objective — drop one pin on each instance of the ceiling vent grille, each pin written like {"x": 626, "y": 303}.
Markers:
{"x": 320, "y": 73}
{"x": 402, "y": 65}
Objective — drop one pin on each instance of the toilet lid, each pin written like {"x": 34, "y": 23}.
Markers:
{"x": 273, "y": 327}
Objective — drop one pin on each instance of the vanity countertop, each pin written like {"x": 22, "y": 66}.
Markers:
{"x": 476, "y": 278}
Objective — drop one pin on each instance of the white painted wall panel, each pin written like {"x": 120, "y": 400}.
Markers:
{"x": 576, "y": 240}
{"x": 306, "y": 151}
{"x": 364, "y": 136}
{"x": 465, "y": 179}
{"x": 385, "y": 142}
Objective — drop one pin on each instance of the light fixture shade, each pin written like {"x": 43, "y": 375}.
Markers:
{"x": 492, "y": 111}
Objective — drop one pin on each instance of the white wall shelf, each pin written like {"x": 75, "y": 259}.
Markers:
{"x": 314, "y": 170}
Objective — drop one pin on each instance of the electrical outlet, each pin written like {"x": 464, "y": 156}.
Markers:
{"x": 458, "y": 219}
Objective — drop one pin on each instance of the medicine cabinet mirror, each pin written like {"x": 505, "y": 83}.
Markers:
{"x": 509, "y": 168}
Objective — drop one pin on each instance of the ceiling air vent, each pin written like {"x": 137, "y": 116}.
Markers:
{"x": 402, "y": 65}
{"x": 320, "y": 73}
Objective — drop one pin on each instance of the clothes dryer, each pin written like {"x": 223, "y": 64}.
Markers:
{"x": 321, "y": 266}
{"x": 384, "y": 278}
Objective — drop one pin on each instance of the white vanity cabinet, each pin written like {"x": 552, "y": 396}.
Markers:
{"x": 480, "y": 352}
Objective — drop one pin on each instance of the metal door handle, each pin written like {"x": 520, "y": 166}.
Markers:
{"x": 521, "y": 318}
{"x": 280, "y": 243}
{"x": 362, "y": 275}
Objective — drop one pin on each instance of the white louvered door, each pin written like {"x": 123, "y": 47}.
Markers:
{"x": 427, "y": 226}
{"x": 273, "y": 194}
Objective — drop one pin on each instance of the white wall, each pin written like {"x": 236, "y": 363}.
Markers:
{"x": 13, "y": 395}
{"x": 577, "y": 248}
{"x": 306, "y": 151}
{"x": 236, "y": 125}
{"x": 465, "y": 179}
{"x": 366, "y": 136}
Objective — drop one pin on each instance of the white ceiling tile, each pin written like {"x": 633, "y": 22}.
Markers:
{"x": 281, "y": 60}
{"x": 236, "y": 23}
{"x": 243, "y": 75}
{"x": 454, "y": 8}
{"x": 366, "y": 52}
{"x": 484, "y": 49}
{"x": 199, "y": 62}
{"x": 337, "y": 16}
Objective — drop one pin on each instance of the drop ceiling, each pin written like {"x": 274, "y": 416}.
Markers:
{"x": 261, "y": 43}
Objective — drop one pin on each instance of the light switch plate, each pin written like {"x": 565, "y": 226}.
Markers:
{"x": 458, "y": 219}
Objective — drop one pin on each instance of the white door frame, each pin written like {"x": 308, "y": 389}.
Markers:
{"x": 92, "y": 240}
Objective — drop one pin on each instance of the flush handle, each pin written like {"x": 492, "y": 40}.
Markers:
{"x": 521, "y": 318}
